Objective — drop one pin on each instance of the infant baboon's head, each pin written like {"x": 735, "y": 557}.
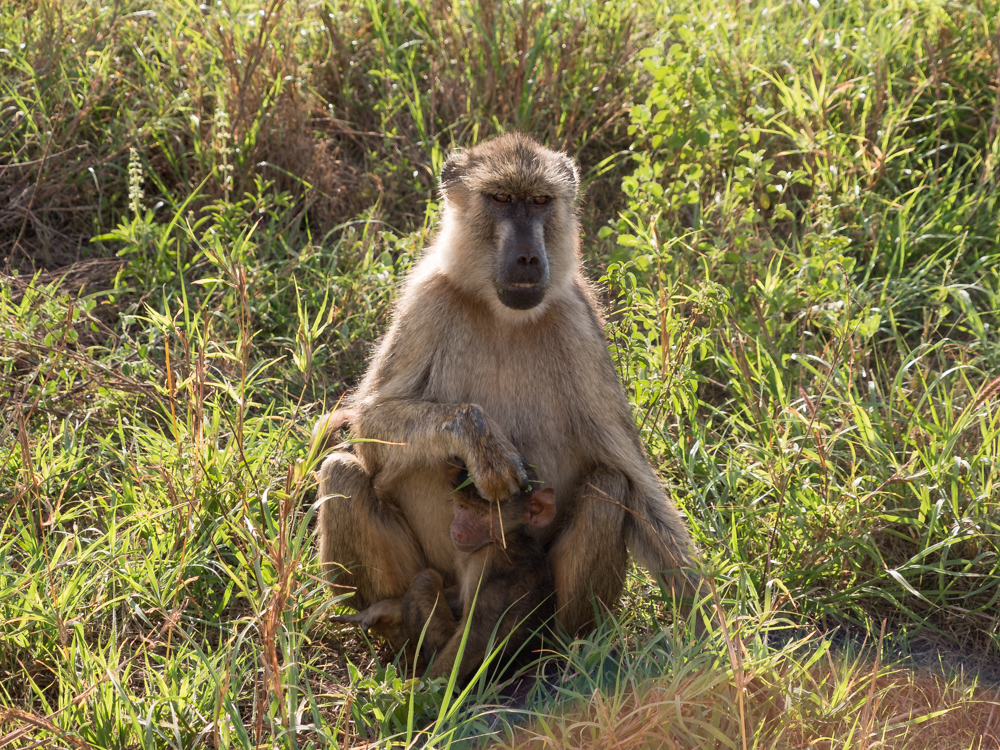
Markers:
{"x": 479, "y": 522}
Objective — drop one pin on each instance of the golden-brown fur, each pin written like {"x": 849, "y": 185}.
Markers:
{"x": 461, "y": 374}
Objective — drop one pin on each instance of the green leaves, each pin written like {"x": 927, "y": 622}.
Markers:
{"x": 814, "y": 399}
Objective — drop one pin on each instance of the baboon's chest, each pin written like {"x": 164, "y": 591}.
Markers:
{"x": 518, "y": 382}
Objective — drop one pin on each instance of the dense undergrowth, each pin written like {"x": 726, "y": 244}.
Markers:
{"x": 205, "y": 210}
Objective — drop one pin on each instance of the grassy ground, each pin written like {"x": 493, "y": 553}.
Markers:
{"x": 205, "y": 210}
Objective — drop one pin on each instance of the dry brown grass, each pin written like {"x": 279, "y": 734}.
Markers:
{"x": 900, "y": 709}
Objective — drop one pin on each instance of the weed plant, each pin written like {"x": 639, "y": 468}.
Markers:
{"x": 205, "y": 211}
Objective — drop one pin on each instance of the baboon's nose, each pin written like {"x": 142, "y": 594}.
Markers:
{"x": 528, "y": 266}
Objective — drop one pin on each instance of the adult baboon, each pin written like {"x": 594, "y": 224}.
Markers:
{"x": 496, "y": 354}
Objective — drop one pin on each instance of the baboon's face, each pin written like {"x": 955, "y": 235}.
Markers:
{"x": 474, "y": 526}
{"x": 510, "y": 224}
{"x": 478, "y": 522}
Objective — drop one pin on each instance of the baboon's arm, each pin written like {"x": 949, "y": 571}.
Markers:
{"x": 395, "y": 405}
{"x": 613, "y": 509}
{"x": 589, "y": 558}
{"x": 408, "y": 433}
{"x": 659, "y": 540}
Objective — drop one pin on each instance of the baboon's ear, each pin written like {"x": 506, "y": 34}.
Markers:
{"x": 541, "y": 508}
{"x": 453, "y": 169}
{"x": 571, "y": 172}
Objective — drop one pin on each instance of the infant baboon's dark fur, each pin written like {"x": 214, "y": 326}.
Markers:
{"x": 505, "y": 594}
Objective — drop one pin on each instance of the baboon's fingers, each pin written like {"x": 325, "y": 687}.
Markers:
{"x": 385, "y": 613}
{"x": 496, "y": 467}
{"x": 324, "y": 432}
{"x": 499, "y": 473}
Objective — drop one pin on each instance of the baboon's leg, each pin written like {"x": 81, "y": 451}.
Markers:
{"x": 426, "y": 604}
{"x": 589, "y": 558}
{"x": 480, "y": 630}
{"x": 364, "y": 544}
{"x": 483, "y": 619}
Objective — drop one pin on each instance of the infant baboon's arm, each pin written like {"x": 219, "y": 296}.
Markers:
{"x": 384, "y": 618}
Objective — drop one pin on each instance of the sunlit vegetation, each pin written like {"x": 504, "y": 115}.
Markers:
{"x": 791, "y": 210}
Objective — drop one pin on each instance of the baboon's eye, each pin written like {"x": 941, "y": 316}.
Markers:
{"x": 501, "y": 197}
{"x": 539, "y": 200}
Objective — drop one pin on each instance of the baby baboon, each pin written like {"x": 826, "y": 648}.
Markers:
{"x": 505, "y": 593}
{"x": 496, "y": 354}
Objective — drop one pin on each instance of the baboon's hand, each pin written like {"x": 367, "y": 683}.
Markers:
{"x": 498, "y": 472}
{"x": 497, "y": 469}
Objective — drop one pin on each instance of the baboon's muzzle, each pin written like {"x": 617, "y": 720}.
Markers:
{"x": 524, "y": 269}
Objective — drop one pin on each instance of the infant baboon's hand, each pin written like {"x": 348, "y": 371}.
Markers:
{"x": 382, "y": 617}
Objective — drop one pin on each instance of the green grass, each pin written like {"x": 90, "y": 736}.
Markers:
{"x": 205, "y": 212}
